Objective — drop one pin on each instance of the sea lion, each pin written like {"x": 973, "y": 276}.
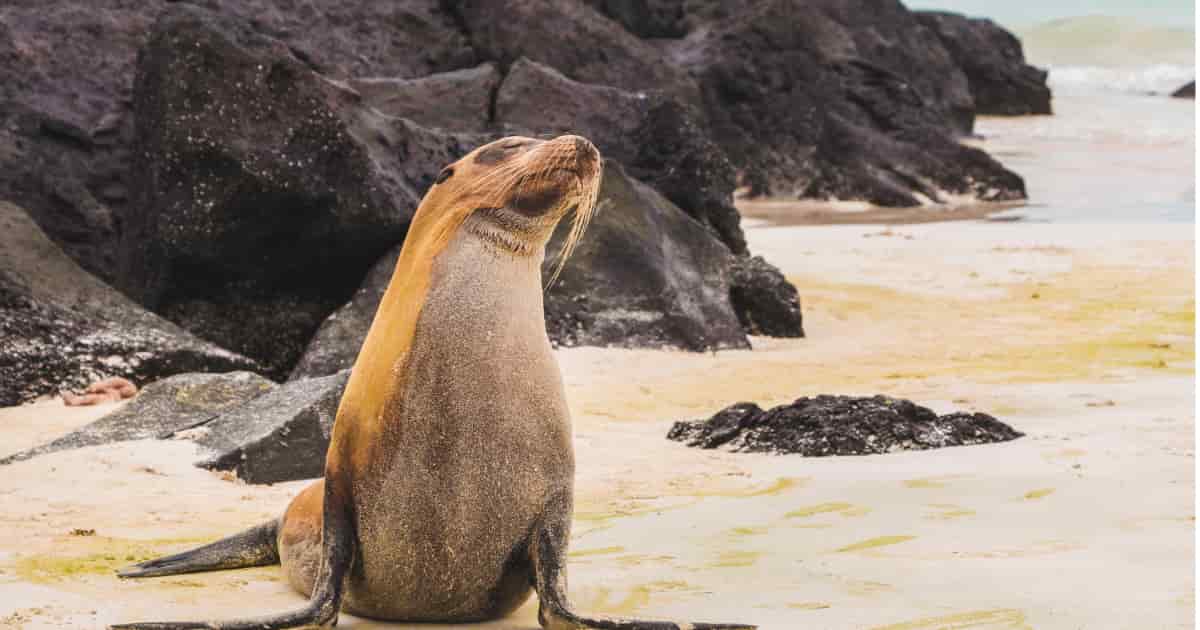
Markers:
{"x": 448, "y": 484}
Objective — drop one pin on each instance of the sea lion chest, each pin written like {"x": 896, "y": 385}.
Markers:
{"x": 470, "y": 450}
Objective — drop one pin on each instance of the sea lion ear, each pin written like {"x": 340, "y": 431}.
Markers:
{"x": 446, "y": 173}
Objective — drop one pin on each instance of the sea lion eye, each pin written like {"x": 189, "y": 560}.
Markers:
{"x": 446, "y": 173}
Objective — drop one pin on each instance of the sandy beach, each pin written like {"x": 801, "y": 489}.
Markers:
{"x": 1078, "y": 335}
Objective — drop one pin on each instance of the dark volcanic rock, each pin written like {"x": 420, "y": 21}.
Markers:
{"x": 280, "y": 436}
{"x": 406, "y": 39}
{"x": 161, "y": 410}
{"x": 536, "y": 98}
{"x": 66, "y": 90}
{"x": 1187, "y": 91}
{"x": 460, "y": 100}
{"x": 1001, "y": 82}
{"x": 571, "y": 37}
{"x": 656, "y": 136}
{"x": 66, "y": 70}
{"x": 61, "y": 328}
{"x": 679, "y": 159}
{"x": 244, "y": 423}
{"x": 646, "y": 275}
{"x": 341, "y": 335}
{"x": 839, "y": 425}
{"x": 850, "y": 100}
{"x": 268, "y": 191}
{"x": 659, "y": 19}
{"x": 646, "y": 18}
{"x": 765, "y": 302}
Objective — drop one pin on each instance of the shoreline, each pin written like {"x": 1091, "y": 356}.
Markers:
{"x": 806, "y": 212}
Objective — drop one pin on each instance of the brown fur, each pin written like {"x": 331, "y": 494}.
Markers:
{"x": 384, "y": 414}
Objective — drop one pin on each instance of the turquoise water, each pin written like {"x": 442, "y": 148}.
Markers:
{"x": 1117, "y": 149}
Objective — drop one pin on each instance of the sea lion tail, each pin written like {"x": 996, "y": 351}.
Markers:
{"x": 251, "y": 548}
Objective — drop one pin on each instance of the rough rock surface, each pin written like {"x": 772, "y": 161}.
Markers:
{"x": 405, "y": 39}
{"x": 244, "y": 423}
{"x": 267, "y": 153}
{"x": 161, "y": 410}
{"x": 674, "y": 294}
{"x": 1001, "y": 83}
{"x": 839, "y": 425}
{"x": 570, "y": 36}
{"x": 656, "y": 136}
{"x": 66, "y": 70}
{"x": 847, "y": 100}
{"x": 280, "y": 436}
{"x": 1186, "y": 91}
{"x": 460, "y": 100}
{"x": 765, "y": 302}
{"x": 268, "y": 191}
{"x": 656, "y": 19}
{"x": 61, "y": 328}
{"x": 66, "y": 92}
{"x": 341, "y": 335}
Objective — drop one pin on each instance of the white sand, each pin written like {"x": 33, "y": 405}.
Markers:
{"x": 1081, "y": 336}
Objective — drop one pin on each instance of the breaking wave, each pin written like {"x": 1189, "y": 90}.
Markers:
{"x": 1112, "y": 53}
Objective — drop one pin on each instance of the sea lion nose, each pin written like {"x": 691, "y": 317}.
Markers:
{"x": 586, "y": 153}
{"x": 583, "y": 145}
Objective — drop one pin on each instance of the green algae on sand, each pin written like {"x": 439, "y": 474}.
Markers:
{"x": 102, "y": 556}
{"x": 872, "y": 543}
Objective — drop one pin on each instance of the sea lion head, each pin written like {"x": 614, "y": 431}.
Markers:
{"x": 517, "y": 189}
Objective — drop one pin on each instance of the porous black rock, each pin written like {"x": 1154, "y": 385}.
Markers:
{"x": 840, "y": 99}
{"x": 647, "y": 275}
{"x": 839, "y": 425}
{"x": 66, "y": 127}
{"x": 660, "y": 139}
{"x": 268, "y": 190}
{"x": 62, "y": 328}
{"x": 573, "y": 38}
{"x": 993, "y": 60}
{"x": 161, "y": 410}
{"x": 460, "y": 100}
{"x": 67, "y": 92}
{"x": 337, "y": 342}
{"x": 765, "y": 302}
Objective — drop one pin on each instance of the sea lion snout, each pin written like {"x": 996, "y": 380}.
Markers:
{"x": 583, "y": 155}
{"x": 517, "y": 189}
{"x": 559, "y": 173}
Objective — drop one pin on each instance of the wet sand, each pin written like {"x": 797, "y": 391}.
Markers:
{"x": 1079, "y": 335}
{"x": 787, "y": 212}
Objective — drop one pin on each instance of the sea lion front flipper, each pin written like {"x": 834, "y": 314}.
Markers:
{"x": 338, "y": 542}
{"x": 549, "y": 557}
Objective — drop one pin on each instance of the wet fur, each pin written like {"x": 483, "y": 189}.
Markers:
{"x": 449, "y": 476}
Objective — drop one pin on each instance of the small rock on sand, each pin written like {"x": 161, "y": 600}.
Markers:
{"x": 839, "y": 425}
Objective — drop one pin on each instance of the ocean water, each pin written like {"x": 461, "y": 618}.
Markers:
{"x": 1116, "y": 149}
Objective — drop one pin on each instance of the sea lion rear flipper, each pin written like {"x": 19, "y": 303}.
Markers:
{"x": 549, "y": 551}
{"x": 338, "y": 542}
{"x": 251, "y": 548}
